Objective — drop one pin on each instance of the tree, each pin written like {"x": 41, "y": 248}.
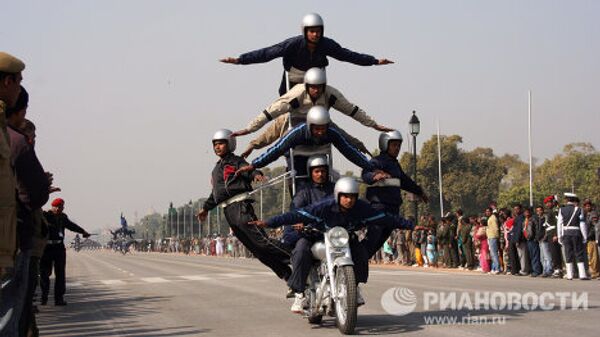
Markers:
{"x": 470, "y": 179}
{"x": 517, "y": 172}
{"x": 573, "y": 170}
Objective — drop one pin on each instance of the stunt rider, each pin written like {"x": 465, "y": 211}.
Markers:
{"x": 298, "y": 101}
{"x": 318, "y": 189}
{"x": 317, "y": 131}
{"x": 387, "y": 199}
{"x": 305, "y": 51}
{"x": 225, "y": 185}
{"x": 344, "y": 209}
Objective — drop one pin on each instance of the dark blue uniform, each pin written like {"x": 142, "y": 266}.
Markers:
{"x": 301, "y": 135}
{"x": 295, "y": 53}
{"x": 327, "y": 214}
{"x": 311, "y": 194}
{"x": 385, "y": 198}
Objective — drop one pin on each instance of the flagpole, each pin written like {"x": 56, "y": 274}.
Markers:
{"x": 530, "y": 157}
{"x": 440, "y": 169}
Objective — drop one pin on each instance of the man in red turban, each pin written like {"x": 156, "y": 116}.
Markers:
{"x": 55, "y": 252}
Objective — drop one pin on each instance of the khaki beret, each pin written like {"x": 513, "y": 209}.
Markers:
{"x": 10, "y": 64}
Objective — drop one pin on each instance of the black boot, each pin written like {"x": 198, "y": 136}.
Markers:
{"x": 60, "y": 302}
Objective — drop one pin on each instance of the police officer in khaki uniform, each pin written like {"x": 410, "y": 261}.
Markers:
{"x": 12, "y": 270}
{"x": 592, "y": 251}
{"x": 10, "y": 88}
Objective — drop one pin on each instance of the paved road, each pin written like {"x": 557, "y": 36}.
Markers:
{"x": 174, "y": 295}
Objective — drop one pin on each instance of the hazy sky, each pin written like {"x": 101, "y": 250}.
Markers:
{"x": 126, "y": 94}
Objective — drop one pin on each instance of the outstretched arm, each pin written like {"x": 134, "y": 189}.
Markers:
{"x": 289, "y": 218}
{"x": 348, "y": 150}
{"x": 75, "y": 228}
{"x": 280, "y": 106}
{"x": 267, "y": 54}
{"x": 352, "y": 110}
{"x": 291, "y": 140}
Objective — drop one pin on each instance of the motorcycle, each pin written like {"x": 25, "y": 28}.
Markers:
{"x": 122, "y": 240}
{"x": 331, "y": 286}
{"x": 121, "y": 244}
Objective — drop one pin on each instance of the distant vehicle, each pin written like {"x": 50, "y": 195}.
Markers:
{"x": 122, "y": 238}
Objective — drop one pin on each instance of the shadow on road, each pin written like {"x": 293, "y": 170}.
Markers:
{"x": 106, "y": 312}
{"x": 389, "y": 324}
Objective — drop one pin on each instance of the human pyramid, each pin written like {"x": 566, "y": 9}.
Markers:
{"x": 302, "y": 130}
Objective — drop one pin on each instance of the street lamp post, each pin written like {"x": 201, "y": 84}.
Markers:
{"x": 171, "y": 227}
{"x": 184, "y": 217}
{"x": 167, "y": 223}
{"x": 415, "y": 128}
{"x": 191, "y": 219}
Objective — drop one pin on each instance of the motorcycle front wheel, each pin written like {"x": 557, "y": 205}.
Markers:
{"x": 345, "y": 305}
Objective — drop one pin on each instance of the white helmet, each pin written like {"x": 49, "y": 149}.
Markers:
{"x": 346, "y": 185}
{"x": 312, "y": 20}
{"x": 316, "y": 161}
{"x": 225, "y": 135}
{"x": 315, "y": 76}
{"x": 385, "y": 138}
{"x": 317, "y": 115}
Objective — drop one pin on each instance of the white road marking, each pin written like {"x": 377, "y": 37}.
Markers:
{"x": 403, "y": 273}
{"x": 113, "y": 282}
{"x": 232, "y": 275}
{"x": 154, "y": 280}
{"x": 73, "y": 284}
{"x": 195, "y": 277}
{"x": 203, "y": 277}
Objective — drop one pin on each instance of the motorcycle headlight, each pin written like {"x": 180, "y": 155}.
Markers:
{"x": 338, "y": 237}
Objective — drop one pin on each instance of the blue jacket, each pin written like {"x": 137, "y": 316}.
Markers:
{"x": 388, "y": 198}
{"x": 295, "y": 53}
{"x": 300, "y": 135}
{"x": 327, "y": 214}
{"x": 307, "y": 196}
{"x": 516, "y": 233}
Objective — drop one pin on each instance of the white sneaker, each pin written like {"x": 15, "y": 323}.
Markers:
{"x": 298, "y": 305}
{"x": 359, "y": 299}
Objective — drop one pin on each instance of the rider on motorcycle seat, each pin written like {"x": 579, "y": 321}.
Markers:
{"x": 344, "y": 209}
